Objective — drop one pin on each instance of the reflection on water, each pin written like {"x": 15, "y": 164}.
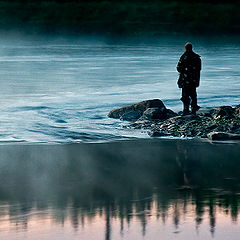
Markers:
{"x": 148, "y": 189}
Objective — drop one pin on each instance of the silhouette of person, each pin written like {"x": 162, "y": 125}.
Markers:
{"x": 189, "y": 67}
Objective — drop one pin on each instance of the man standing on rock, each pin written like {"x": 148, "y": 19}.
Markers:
{"x": 189, "y": 67}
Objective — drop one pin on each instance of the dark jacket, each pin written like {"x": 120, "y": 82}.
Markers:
{"x": 189, "y": 67}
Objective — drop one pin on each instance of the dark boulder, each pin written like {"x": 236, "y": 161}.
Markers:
{"x": 153, "y": 113}
{"x": 135, "y": 111}
{"x": 158, "y": 114}
{"x": 170, "y": 114}
{"x": 237, "y": 111}
{"x": 223, "y": 112}
{"x": 221, "y": 136}
{"x": 131, "y": 116}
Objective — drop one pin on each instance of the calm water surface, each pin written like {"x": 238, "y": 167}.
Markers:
{"x": 61, "y": 91}
{"x": 145, "y": 189}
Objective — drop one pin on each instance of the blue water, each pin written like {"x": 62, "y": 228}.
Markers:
{"x": 61, "y": 91}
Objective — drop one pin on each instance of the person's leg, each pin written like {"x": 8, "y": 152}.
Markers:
{"x": 186, "y": 100}
{"x": 193, "y": 96}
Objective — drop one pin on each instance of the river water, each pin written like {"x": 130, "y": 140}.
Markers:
{"x": 61, "y": 91}
{"x": 138, "y": 189}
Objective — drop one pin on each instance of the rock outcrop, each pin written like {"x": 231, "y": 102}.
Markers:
{"x": 220, "y": 136}
{"x": 221, "y": 123}
{"x": 150, "y": 109}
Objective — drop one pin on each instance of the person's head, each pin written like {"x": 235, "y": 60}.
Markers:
{"x": 188, "y": 47}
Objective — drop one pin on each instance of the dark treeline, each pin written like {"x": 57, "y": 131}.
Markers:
{"x": 135, "y": 1}
{"x": 115, "y": 17}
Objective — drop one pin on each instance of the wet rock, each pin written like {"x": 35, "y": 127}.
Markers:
{"x": 237, "y": 111}
{"x": 170, "y": 114}
{"x": 190, "y": 117}
{"x": 126, "y": 112}
{"x": 234, "y": 126}
{"x": 176, "y": 120}
{"x": 211, "y": 127}
{"x": 158, "y": 114}
{"x": 207, "y": 112}
{"x": 154, "y": 113}
{"x": 156, "y": 134}
{"x": 221, "y": 136}
{"x": 223, "y": 111}
{"x": 130, "y": 116}
{"x": 222, "y": 123}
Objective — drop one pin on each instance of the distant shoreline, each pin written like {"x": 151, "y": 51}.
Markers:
{"x": 120, "y": 18}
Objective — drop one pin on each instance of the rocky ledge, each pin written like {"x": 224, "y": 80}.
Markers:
{"x": 221, "y": 123}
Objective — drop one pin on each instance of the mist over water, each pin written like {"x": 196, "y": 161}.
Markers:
{"x": 141, "y": 189}
{"x": 61, "y": 91}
